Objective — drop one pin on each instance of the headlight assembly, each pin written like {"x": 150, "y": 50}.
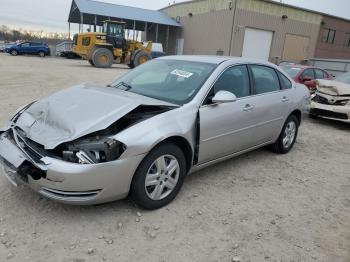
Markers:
{"x": 93, "y": 150}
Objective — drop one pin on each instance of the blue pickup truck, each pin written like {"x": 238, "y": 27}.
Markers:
{"x": 29, "y": 48}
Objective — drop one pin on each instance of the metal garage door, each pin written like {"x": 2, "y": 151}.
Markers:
{"x": 257, "y": 44}
{"x": 296, "y": 48}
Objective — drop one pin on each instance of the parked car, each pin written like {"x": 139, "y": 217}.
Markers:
{"x": 30, "y": 48}
{"x": 332, "y": 99}
{"x": 306, "y": 75}
{"x": 3, "y": 47}
{"x": 146, "y": 131}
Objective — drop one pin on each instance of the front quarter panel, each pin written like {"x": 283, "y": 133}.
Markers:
{"x": 142, "y": 137}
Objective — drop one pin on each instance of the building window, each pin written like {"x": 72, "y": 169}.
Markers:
{"x": 347, "y": 39}
{"x": 328, "y": 36}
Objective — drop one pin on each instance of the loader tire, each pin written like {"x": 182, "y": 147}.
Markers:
{"x": 102, "y": 58}
{"x": 131, "y": 65}
{"x": 141, "y": 57}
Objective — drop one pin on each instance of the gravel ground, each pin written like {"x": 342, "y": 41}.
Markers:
{"x": 257, "y": 207}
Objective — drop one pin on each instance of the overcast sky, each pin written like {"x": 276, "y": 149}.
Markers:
{"x": 51, "y": 15}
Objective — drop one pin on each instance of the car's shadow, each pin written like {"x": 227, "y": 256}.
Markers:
{"x": 87, "y": 65}
{"x": 331, "y": 123}
{"x": 30, "y": 200}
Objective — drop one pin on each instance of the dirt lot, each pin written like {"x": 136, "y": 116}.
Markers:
{"x": 257, "y": 207}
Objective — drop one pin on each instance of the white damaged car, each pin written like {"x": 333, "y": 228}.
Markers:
{"x": 332, "y": 99}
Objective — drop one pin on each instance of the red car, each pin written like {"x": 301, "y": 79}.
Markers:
{"x": 306, "y": 75}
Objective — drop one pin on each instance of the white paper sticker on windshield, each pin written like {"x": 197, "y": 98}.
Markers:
{"x": 181, "y": 73}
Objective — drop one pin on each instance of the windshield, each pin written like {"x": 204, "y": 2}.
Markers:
{"x": 172, "y": 81}
{"x": 345, "y": 78}
{"x": 291, "y": 71}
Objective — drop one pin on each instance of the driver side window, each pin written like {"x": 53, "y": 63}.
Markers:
{"x": 234, "y": 80}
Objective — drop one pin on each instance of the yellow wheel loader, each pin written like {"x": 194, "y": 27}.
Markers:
{"x": 104, "y": 49}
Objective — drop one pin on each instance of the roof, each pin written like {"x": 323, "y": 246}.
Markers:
{"x": 120, "y": 12}
{"x": 216, "y": 59}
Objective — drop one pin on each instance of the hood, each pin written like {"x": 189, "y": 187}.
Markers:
{"x": 333, "y": 88}
{"x": 76, "y": 112}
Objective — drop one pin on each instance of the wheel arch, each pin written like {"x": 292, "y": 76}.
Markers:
{"x": 183, "y": 144}
{"x": 297, "y": 113}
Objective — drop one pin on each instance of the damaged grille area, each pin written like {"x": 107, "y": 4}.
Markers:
{"x": 322, "y": 100}
{"x": 33, "y": 150}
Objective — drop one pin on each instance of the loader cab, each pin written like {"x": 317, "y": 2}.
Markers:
{"x": 114, "y": 28}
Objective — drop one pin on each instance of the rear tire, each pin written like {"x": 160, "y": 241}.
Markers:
{"x": 41, "y": 54}
{"x": 288, "y": 136}
{"x": 165, "y": 170}
{"x": 102, "y": 58}
{"x": 141, "y": 57}
{"x": 14, "y": 53}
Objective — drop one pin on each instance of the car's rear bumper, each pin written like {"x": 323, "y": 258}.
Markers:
{"x": 68, "y": 182}
{"x": 340, "y": 113}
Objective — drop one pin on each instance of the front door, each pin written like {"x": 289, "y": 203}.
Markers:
{"x": 225, "y": 128}
{"x": 25, "y": 48}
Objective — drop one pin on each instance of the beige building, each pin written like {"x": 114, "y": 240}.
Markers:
{"x": 250, "y": 28}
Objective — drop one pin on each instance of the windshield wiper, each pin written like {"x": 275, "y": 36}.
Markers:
{"x": 126, "y": 87}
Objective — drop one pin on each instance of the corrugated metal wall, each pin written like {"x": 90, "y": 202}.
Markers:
{"x": 210, "y": 28}
{"x": 196, "y": 7}
{"x": 206, "y": 34}
{"x": 273, "y": 23}
{"x": 272, "y": 9}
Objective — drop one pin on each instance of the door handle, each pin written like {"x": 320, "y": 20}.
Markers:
{"x": 248, "y": 107}
{"x": 285, "y": 99}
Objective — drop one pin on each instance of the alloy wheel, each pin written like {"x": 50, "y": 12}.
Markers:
{"x": 162, "y": 177}
{"x": 289, "y": 134}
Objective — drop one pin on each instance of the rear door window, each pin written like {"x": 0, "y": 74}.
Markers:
{"x": 320, "y": 74}
{"x": 265, "y": 79}
{"x": 285, "y": 82}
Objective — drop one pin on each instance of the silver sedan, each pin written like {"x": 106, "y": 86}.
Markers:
{"x": 141, "y": 135}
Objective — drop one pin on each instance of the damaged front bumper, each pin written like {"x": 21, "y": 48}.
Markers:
{"x": 63, "y": 181}
{"x": 339, "y": 113}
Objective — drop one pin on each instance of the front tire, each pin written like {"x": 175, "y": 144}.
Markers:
{"x": 159, "y": 177}
{"x": 41, "y": 54}
{"x": 288, "y": 136}
{"x": 14, "y": 53}
{"x": 141, "y": 57}
{"x": 102, "y": 58}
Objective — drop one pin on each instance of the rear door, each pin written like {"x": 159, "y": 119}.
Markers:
{"x": 271, "y": 102}
{"x": 34, "y": 48}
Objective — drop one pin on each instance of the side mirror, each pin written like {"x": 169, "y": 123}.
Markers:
{"x": 307, "y": 78}
{"x": 222, "y": 97}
